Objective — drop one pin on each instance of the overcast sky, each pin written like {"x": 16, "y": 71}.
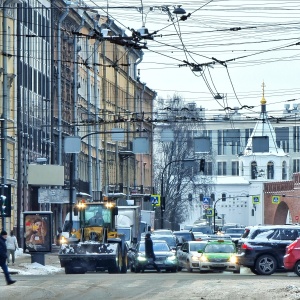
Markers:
{"x": 244, "y": 43}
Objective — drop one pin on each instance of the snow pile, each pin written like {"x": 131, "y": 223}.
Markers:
{"x": 35, "y": 269}
{"x": 30, "y": 268}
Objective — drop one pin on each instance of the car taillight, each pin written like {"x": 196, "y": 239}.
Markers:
{"x": 245, "y": 246}
{"x": 291, "y": 247}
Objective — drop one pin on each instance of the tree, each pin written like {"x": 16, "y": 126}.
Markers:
{"x": 181, "y": 122}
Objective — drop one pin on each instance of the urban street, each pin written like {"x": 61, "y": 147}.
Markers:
{"x": 150, "y": 285}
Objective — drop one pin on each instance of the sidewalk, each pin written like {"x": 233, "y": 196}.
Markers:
{"x": 24, "y": 266}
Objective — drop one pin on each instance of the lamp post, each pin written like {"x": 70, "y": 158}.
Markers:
{"x": 162, "y": 198}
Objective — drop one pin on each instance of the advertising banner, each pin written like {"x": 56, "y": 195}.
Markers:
{"x": 38, "y": 231}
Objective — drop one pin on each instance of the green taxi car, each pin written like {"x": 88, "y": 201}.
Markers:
{"x": 219, "y": 255}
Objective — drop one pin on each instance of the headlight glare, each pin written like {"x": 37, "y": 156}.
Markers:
{"x": 233, "y": 259}
{"x": 203, "y": 258}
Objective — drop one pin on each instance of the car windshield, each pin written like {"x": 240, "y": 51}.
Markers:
{"x": 157, "y": 247}
{"x": 197, "y": 246}
{"x": 219, "y": 248}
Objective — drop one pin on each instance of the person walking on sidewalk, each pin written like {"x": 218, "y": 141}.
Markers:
{"x": 3, "y": 256}
{"x": 12, "y": 246}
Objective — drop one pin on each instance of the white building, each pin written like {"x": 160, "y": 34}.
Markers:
{"x": 262, "y": 160}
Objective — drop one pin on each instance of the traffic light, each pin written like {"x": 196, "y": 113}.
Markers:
{"x": 5, "y": 201}
{"x": 202, "y": 165}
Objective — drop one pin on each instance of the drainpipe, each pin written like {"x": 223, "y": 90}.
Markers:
{"x": 88, "y": 83}
{"x": 4, "y": 108}
{"x": 97, "y": 111}
{"x": 63, "y": 16}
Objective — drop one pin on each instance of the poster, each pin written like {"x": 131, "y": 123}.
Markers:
{"x": 37, "y": 226}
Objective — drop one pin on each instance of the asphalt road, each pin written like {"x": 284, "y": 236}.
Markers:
{"x": 151, "y": 285}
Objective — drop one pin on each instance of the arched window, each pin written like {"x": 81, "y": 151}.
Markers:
{"x": 254, "y": 170}
{"x": 284, "y": 171}
{"x": 270, "y": 170}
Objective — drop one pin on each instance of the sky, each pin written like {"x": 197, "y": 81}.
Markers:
{"x": 238, "y": 45}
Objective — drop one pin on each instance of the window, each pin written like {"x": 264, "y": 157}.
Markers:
{"x": 284, "y": 171}
{"x": 253, "y": 170}
{"x": 270, "y": 170}
{"x": 235, "y": 168}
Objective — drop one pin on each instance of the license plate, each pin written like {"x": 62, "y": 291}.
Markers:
{"x": 217, "y": 265}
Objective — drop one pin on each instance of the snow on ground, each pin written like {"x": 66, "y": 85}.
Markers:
{"x": 24, "y": 268}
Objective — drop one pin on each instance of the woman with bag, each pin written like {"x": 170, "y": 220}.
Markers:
{"x": 12, "y": 246}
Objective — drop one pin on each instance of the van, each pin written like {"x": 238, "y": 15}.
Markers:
{"x": 67, "y": 226}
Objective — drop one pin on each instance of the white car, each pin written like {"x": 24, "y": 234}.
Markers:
{"x": 188, "y": 255}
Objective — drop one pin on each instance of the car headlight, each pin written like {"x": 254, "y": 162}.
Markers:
{"x": 63, "y": 240}
{"x": 196, "y": 257}
{"x": 173, "y": 257}
{"x": 203, "y": 258}
{"x": 233, "y": 259}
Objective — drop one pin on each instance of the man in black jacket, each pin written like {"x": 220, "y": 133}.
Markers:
{"x": 3, "y": 257}
{"x": 149, "y": 253}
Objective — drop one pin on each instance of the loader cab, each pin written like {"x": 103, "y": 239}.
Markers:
{"x": 98, "y": 214}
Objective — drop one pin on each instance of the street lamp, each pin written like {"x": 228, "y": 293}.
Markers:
{"x": 162, "y": 198}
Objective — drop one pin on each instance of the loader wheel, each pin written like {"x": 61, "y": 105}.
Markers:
{"x": 116, "y": 264}
{"x": 124, "y": 263}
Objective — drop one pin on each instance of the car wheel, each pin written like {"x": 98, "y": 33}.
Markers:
{"x": 237, "y": 271}
{"x": 179, "y": 268}
{"x": 253, "y": 270}
{"x": 189, "y": 267}
{"x": 297, "y": 268}
{"x": 265, "y": 265}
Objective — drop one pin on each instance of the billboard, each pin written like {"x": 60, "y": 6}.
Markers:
{"x": 38, "y": 231}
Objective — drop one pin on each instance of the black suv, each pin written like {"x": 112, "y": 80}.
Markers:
{"x": 263, "y": 248}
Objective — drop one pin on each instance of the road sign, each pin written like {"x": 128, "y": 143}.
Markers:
{"x": 206, "y": 200}
{"x": 296, "y": 218}
{"x": 155, "y": 200}
{"x": 275, "y": 199}
{"x": 255, "y": 199}
{"x": 210, "y": 212}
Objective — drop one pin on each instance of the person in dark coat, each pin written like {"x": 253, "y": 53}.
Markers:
{"x": 149, "y": 253}
{"x": 3, "y": 257}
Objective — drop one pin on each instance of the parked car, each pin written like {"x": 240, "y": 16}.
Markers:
{"x": 219, "y": 255}
{"x": 165, "y": 258}
{"x": 184, "y": 236}
{"x": 188, "y": 255}
{"x": 291, "y": 260}
{"x": 265, "y": 246}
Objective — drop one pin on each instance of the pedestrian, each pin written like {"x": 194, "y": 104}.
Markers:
{"x": 149, "y": 253}
{"x": 12, "y": 246}
{"x": 3, "y": 257}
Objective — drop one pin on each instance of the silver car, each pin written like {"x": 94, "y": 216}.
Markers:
{"x": 188, "y": 255}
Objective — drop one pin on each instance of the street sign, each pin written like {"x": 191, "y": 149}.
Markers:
{"x": 255, "y": 199}
{"x": 210, "y": 212}
{"x": 206, "y": 200}
{"x": 275, "y": 199}
{"x": 155, "y": 200}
